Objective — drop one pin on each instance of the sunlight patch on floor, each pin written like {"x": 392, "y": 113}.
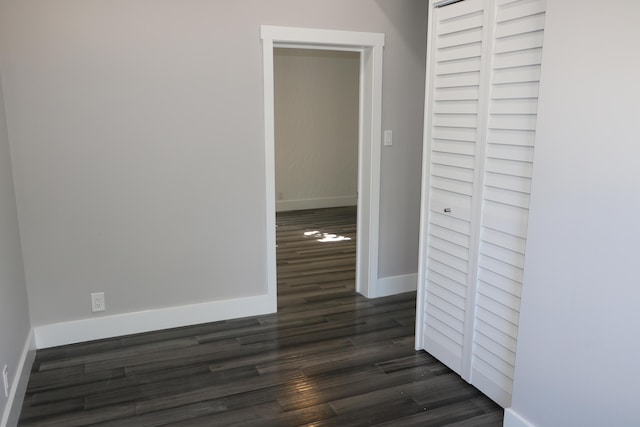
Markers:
{"x": 326, "y": 237}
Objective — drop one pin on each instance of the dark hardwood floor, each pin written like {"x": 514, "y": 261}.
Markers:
{"x": 330, "y": 357}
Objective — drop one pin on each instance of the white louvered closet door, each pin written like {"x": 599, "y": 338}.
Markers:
{"x": 453, "y": 132}
{"x": 474, "y": 252}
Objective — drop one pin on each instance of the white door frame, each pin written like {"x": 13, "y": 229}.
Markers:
{"x": 370, "y": 47}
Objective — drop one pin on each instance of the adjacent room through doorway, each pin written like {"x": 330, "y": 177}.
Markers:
{"x": 316, "y": 117}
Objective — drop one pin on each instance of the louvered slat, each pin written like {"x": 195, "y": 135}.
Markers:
{"x": 516, "y": 90}
{"x": 518, "y": 42}
{"x": 505, "y": 241}
{"x": 506, "y": 326}
{"x": 446, "y": 281}
{"x": 513, "y": 287}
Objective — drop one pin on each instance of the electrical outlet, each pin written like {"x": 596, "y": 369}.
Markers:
{"x": 97, "y": 302}
{"x": 5, "y": 380}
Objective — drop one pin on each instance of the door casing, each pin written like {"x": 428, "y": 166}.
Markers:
{"x": 369, "y": 45}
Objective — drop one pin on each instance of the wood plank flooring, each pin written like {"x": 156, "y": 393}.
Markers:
{"x": 329, "y": 357}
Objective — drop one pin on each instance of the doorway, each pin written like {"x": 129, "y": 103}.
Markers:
{"x": 316, "y": 128}
{"x": 369, "y": 45}
{"x": 316, "y": 104}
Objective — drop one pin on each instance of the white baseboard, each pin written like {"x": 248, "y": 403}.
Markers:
{"x": 19, "y": 383}
{"x": 512, "y": 419}
{"x": 150, "y": 320}
{"x": 396, "y": 285}
{"x": 317, "y": 203}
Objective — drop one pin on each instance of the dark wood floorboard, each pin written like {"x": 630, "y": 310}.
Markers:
{"x": 329, "y": 357}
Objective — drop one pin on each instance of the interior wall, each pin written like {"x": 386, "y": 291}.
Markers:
{"x": 137, "y": 135}
{"x": 14, "y": 312}
{"x": 316, "y": 128}
{"x": 402, "y": 108}
{"x": 578, "y": 341}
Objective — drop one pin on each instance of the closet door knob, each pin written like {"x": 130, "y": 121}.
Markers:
{"x": 447, "y": 210}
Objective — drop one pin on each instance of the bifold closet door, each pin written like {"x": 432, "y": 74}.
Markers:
{"x": 452, "y": 129}
{"x": 480, "y": 126}
{"x": 506, "y": 184}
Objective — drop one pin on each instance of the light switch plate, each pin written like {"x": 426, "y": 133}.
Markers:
{"x": 5, "y": 380}
{"x": 388, "y": 137}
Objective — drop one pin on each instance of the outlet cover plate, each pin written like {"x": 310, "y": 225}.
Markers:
{"x": 97, "y": 302}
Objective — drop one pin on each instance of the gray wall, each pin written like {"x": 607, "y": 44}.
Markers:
{"x": 316, "y": 128}
{"x": 137, "y": 135}
{"x": 578, "y": 342}
{"x": 14, "y": 312}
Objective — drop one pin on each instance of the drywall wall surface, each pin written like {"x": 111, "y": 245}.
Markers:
{"x": 14, "y": 312}
{"x": 316, "y": 127}
{"x": 402, "y": 109}
{"x": 137, "y": 135}
{"x": 578, "y": 340}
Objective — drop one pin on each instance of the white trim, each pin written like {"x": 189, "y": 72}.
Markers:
{"x": 372, "y": 60}
{"x": 19, "y": 382}
{"x": 369, "y": 145}
{"x": 151, "y": 320}
{"x": 316, "y": 203}
{"x": 424, "y": 193}
{"x": 270, "y": 167}
{"x": 397, "y": 284}
{"x": 512, "y": 419}
{"x": 321, "y": 37}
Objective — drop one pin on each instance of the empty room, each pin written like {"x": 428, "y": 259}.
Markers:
{"x": 467, "y": 261}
